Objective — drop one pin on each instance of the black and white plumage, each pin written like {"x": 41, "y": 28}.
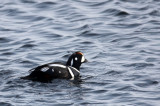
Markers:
{"x": 47, "y": 72}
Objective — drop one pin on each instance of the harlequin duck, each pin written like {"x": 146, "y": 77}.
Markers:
{"x": 47, "y": 72}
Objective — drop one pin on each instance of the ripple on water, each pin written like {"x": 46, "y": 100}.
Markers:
{"x": 113, "y": 72}
{"x": 139, "y": 65}
{"x": 7, "y": 53}
{"x": 45, "y": 5}
{"x": 154, "y": 13}
{"x": 13, "y": 12}
{"x": 146, "y": 83}
{"x": 115, "y": 12}
{"x": 151, "y": 59}
{"x": 27, "y": 1}
{"x": 4, "y": 40}
{"x": 28, "y": 46}
{"x": 5, "y": 104}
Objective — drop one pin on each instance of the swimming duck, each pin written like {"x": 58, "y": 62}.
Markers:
{"x": 50, "y": 71}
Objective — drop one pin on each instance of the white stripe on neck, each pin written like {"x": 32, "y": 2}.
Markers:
{"x": 72, "y": 75}
{"x": 75, "y": 69}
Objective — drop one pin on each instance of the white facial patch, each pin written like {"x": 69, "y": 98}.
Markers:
{"x": 83, "y": 59}
{"x": 76, "y": 58}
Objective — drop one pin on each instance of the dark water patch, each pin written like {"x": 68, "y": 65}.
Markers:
{"x": 87, "y": 77}
{"x": 5, "y": 29}
{"x": 64, "y": 9}
{"x": 126, "y": 88}
{"x": 133, "y": 39}
{"x": 128, "y": 26}
{"x": 28, "y": 46}
{"x": 5, "y": 75}
{"x": 143, "y": 8}
{"x": 155, "y": 13}
{"x": 89, "y": 34}
{"x": 87, "y": 42}
{"x": 115, "y": 12}
{"x": 121, "y": 39}
{"x": 128, "y": 46}
{"x": 21, "y": 41}
{"x": 14, "y": 83}
{"x": 30, "y": 18}
{"x": 134, "y": 77}
{"x": 66, "y": 56}
{"x": 28, "y": 1}
{"x": 155, "y": 22}
{"x": 142, "y": 104}
{"x": 87, "y": 2}
{"x": 27, "y": 63}
{"x": 99, "y": 92}
{"x": 146, "y": 83}
{"x": 157, "y": 0}
{"x": 51, "y": 35}
{"x": 8, "y": 53}
{"x": 96, "y": 83}
{"x": 122, "y": 13}
{"x": 38, "y": 18}
{"x": 117, "y": 94}
{"x": 84, "y": 33}
{"x": 5, "y": 72}
{"x": 84, "y": 27}
{"x": 131, "y": 1}
{"x": 151, "y": 59}
{"x": 146, "y": 52}
{"x": 4, "y": 40}
{"x": 113, "y": 72}
{"x": 3, "y": 59}
{"x": 45, "y": 5}
{"x": 139, "y": 65}
{"x": 79, "y": 19}
{"x": 13, "y": 12}
{"x": 5, "y": 104}
{"x": 99, "y": 55}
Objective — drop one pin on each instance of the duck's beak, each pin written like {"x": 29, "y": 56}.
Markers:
{"x": 85, "y": 61}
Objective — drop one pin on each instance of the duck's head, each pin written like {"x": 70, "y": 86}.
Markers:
{"x": 76, "y": 59}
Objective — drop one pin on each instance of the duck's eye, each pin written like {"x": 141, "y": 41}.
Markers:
{"x": 76, "y": 58}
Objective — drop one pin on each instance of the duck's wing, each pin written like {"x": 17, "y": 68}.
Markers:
{"x": 47, "y": 72}
{"x": 48, "y": 65}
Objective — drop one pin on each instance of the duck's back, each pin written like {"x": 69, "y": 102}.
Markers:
{"x": 48, "y": 72}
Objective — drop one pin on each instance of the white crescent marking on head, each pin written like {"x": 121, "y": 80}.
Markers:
{"x": 83, "y": 59}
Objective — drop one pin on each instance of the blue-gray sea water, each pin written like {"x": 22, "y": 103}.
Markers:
{"x": 120, "y": 38}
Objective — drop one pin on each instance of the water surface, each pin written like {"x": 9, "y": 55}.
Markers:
{"x": 120, "y": 38}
